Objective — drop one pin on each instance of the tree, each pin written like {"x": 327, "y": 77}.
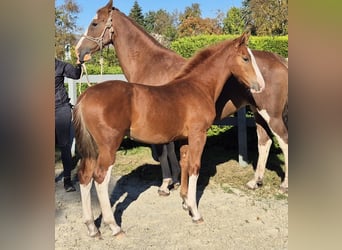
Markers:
{"x": 266, "y": 17}
{"x": 233, "y": 23}
{"x": 161, "y": 23}
{"x": 192, "y": 24}
{"x": 65, "y": 27}
{"x": 192, "y": 11}
{"x": 137, "y": 15}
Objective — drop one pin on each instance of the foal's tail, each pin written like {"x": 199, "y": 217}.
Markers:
{"x": 286, "y": 113}
{"x": 86, "y": 144}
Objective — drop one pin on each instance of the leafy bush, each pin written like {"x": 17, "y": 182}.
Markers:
{"x": 187, "y": 46}
{"x": 95, "y": 69}
{"x": 217, "y": 129}
{"x": 276, "y": 44}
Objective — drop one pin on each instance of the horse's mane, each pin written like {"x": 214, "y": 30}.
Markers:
{"x": 200, "y": 56}
{"x": 154, "y": 41}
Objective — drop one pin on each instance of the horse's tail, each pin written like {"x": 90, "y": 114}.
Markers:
{"x": 85, "y": 142}
{"x": 286, "y": 113}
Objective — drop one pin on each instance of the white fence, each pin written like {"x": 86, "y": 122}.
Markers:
{"x": 240, "y": 120}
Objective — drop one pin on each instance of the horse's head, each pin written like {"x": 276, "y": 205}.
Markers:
{"x": 243, "y": 65}
{"x": 98, "y": 34}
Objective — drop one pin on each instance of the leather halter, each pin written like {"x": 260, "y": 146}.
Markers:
{"x": 99, "y": 40}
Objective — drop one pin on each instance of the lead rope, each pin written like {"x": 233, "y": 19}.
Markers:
{"x": 101, "y": 64}
{"x": 84, "y": 70}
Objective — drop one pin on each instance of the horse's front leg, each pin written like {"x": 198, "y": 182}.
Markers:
{"x": 264, "y": 145}
{"x": 184, "y": 164}
{"x": 86, "y": 181}
{"x": 196, "y": 144}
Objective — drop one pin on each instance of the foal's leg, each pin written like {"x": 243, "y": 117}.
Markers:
{"x": 106, "y": 158}
{"x": 107, "y": 213}
{"x": 86, "y": 181}
{"x": 197, "y": 141}
{"x": 264, "y": 145}
{"x": 184, "y": 163}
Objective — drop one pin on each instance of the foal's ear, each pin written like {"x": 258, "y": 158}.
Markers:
{"x": 109, "y": 5}
{"x": 243, "y": 39}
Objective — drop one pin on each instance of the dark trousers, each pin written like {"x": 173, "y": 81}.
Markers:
{"x": 63, "y": 128}
{"x": 166, "y": 155}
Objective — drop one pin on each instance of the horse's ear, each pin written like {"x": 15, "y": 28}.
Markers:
{"x": 243, "y": 39}
{"x": 109, "y": 5}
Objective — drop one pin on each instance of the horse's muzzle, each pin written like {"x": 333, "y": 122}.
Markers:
{"x": 84, "y": 56}
{"x": 255, "y": 87}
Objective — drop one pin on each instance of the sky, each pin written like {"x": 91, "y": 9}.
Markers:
{"x": 208, "y": 7}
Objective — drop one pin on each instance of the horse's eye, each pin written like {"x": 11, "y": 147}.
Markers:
{"x": 245, "y": 58}
{"x": 94, "y": 24}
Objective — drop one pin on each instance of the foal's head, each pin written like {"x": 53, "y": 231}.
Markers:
{"x": 243, "y": 65}
{"x": 98, "y": 34}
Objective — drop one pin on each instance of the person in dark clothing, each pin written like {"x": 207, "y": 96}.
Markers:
{"x": 165, "y": 154}
{"x": 63, "y": 116}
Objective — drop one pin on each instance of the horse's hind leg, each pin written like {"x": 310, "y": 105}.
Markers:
{"x": 163, "y": 190}
{"x": 107, "y": 213}
{"x": 280, "y": 131}
{"x": 86, "y": 181}
{"x": 106, "y": 158}
{"x": 264, "y": 145}
{"x": 174, "y": 164}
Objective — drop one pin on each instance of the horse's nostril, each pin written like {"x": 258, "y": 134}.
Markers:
{"x": 256, "y": 86}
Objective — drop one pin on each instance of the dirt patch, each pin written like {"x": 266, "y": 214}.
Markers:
{"x": 233, "y": 217}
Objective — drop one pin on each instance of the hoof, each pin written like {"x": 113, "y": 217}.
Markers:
{"x": 185, "y": 207}
{"x": 174, "y": 186}
{"x": 198, "y": 221}
{"x": 96, "y": 235}
{"x": 283, "y": 190}
{"x": 254, "y": 185}
{"x": 163, "y": 192}
{"x": 119, "y": 235}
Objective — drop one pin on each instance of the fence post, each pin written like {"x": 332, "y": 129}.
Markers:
{"x": 72, "y": 91}
{"x": 242, "y": 137}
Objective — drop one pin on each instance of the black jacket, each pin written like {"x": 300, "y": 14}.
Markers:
{"x": 63, "y": 69}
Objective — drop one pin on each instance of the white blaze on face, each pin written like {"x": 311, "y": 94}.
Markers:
{"x": 260, "y": 78}
{"x": 85, "y": 34}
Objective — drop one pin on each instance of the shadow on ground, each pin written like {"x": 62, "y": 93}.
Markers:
{"x": 219, "y": 149}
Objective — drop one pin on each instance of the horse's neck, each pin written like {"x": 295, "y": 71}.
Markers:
{"x": 140, "y": 56}
{"x": 211, "y": 74}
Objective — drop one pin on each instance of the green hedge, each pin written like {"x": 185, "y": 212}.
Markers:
{"x": 95, "y": 69}
{"x": 187, "y": 46}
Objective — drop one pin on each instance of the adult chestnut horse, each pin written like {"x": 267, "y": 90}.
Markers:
{"x": 144, "y": 60}
{"x": 181, "y": 109}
